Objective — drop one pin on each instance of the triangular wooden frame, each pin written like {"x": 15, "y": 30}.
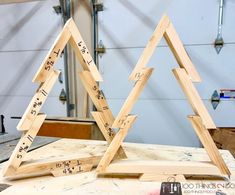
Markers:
{"x": 201, "y": 121}
{"x": 47, "y": 75}
{"x": 31, "y": 121}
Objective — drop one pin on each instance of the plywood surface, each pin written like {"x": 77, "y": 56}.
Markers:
{"x": 86, "y": 183}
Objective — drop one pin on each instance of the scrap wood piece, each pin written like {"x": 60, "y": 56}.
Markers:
{"x": 165, "y": 28}
{"x": 59, "y": 167}
{"x": 133, "y": 96}
{"x": 96, "y": 95}
{"x": 162, "y": 177}
{"x": 23, "y": 145}
{"x": 108, "y": 132}
{"x": 115, "y": 144}
{"x": 150, "y": 47}
{"x": 37, "y": 101}
{"x": 193, "y": 97}
{"x": 54, "y": 53}
{"x": 209, "y": 144}
{"x": 71, "y": 170}
{"x": 82, "y": 52}
{"x": 163, "y": 167}
{"x": 177, "y": 48}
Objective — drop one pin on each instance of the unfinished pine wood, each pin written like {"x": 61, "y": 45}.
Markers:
{"x": 107, "y": 131}
{"x": 163, "y": 167}
{"x": 58, "y": 167}
{"x": 193, "y": 97}
{"x": 69, "y": 171}
{"x": 104, "y": 116}
{"x": 89, "y": 183}
{"x": 115, "y": 144}
{"x": 165, "y": 28}
{"x": 37, "y": 101}
{"x": 162, "y": 178}
{"x": 96, "y": 95}
{"x": 209, "y": 144}
{"x": 150, "y": 47}
{"x": 53, "y": 55}
{"x": 82, "y": 51}
{"x": 23, "y": 146}
{"x": 180, "y": 53}
{"x": 133, "y": 96}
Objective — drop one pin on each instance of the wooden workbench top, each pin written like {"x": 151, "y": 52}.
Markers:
{"x": 86, "y": 183}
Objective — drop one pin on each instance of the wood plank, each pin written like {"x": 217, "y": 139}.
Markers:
{"x": 8, "y": 147}
{"x": 115, "y": 144}
{"x": 68, "y": 129}
{"x": 53, "y": 55}
{"x": 37, "y": 101}
{"x": 163, "y": 167}
{"x": 180, "y": 53}
{"x": 150, "y": 47}
{"x": 107, "y": 132}
{"x": 23, "y": 146}
{"x": 96, "y": 95}
{"x": 209, "y": 144}
{"x": 193, "y": 97}
{"x": 133, "y": 96}
{"x": 59, "y": 166}
{"x": 82, "y": 52}
{"x": 162, "y": 178}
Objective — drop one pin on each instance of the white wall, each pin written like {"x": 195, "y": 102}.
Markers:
{"x": 125, "y": 27}
{"x": 27, "y": 30}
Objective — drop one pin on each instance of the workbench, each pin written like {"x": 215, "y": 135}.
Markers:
{"x": 89, "y": 183}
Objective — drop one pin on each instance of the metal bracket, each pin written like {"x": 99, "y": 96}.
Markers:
{"x": 215, "y": 99}
{"x": 2, "y": 128}
{"x": 100, "y": 48}
{"x": 98, "y": 5}
{"x": 57, "y": 9}
{"x": 219, "y": 42}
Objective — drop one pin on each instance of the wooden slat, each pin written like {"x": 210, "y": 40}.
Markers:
{"x": 163, "y": 167}
{"x": 115, "y": 144}
{"x": 58, "y": 166}
{"x": 82, "y": 51}
{"x": 37, "y": 101}
{"x": 161, "y": 178}
{"x": 53, "y": 55}
{"x": 150, "y": 47}
{"x": 107, "y": 132}
{"x": 133, "y": 96}
{"x": 67, "y": 129}
{"x": 209, "y": 144}
{"x": 180, "y": 53}
{"x": 23, "y": 146}
{"x": 96, "y": 95}
{"x": 193, "y": 97}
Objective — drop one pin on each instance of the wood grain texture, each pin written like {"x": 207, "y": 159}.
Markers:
{"x": 193, "y": 97}
{"x": 108, "y": 132}
{"x": 37, "y": 101}
{"x": 150, "y": 47}
{"x": 22, "y": 147}
{"x": 180, "y": 53}
{"x": 209, "y": 144}
{"x": 115, "y": 144}
{"x": 133, "y": 96}
{"x": 163, "y": 167}
{"x": 96, "y": 95}
{"x": 82, "y": 51}
{"x": 53, "y": 55}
